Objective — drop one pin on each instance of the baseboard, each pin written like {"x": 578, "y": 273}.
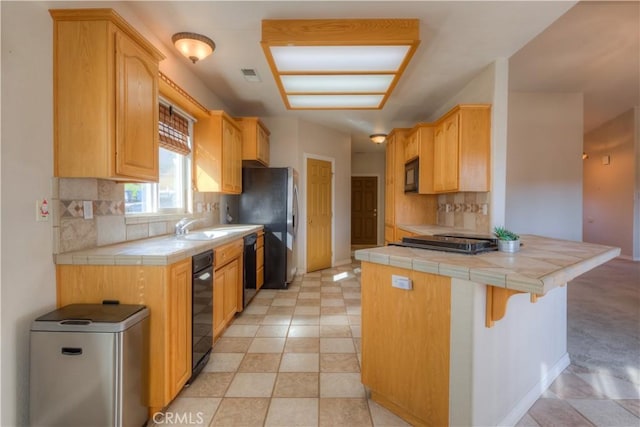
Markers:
{"x": 530, "y": 398}
{"x": 628, "y": 258}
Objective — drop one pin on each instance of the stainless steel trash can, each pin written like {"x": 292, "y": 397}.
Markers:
{"x": 88, "y": 366}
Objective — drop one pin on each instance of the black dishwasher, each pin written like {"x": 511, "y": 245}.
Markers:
{"x": 202, "y": 311}
{"x": 249, "y": 274}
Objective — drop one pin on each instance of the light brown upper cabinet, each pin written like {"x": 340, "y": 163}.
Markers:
{"x": 400, "y": 207}
{"x": 411, "y": 147}
{"x": 421, "y": 137}
{"x": 105, "y": 86}
{"x": 217, "y": 157}
{"x": 255, "y": 141}
{"x": 462, "y": 150}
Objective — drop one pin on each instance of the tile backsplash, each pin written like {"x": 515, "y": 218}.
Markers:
{"x": 109, "y": 223}
{"x": 464, "y": 210}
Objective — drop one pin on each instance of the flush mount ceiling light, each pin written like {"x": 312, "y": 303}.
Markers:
{"x": 378, "y": 138}
{"x": 338, "y": 63}
{"x": 193, "y": 46}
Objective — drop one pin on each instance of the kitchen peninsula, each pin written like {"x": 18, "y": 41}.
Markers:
{"x": 468, "y": 339}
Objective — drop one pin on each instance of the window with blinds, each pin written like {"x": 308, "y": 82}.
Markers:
{"x": 172, "y": 193}
{"x": 173, "y": 131}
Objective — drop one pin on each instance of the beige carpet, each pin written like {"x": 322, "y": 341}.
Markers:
{"x": 604, "y": 320}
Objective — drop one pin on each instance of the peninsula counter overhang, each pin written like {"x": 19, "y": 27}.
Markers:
{"x": 541, "y": 265}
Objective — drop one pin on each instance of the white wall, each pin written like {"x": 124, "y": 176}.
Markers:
{"x": 290, "y": 141}
{"x": 283, "y": 148}
{"x": 544, "y": 164}
{"x": 28, "y": 274}
{"x": 27, "y": 281}
{"x": 372, "y": 164}
{"x": 609, "y": 190}
{"x": 322, "y": 142}
{"x": 515, "y": 360}
{"x": 490, "y": 86}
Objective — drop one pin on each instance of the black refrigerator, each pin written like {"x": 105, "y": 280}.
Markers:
{"x": 269, "y": 198}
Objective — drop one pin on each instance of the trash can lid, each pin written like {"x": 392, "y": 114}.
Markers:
{"x": 91, "y": 317}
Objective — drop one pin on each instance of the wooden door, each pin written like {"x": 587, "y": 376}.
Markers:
{"x": 137, "y": 111}
{"x": 180, "y": 322}
{"x": 364, "y": 210}
{"x": 319, "y": 214}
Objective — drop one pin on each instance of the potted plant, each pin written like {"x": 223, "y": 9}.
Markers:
{"x": 508, "y": 241}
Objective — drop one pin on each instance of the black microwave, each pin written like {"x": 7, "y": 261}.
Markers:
{"x": 411, "y": 176}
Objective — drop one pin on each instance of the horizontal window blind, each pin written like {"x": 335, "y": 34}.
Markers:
{"x": 173, "y": 131}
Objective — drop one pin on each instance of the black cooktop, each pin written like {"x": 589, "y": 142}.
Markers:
{"x": 453, "y": 242}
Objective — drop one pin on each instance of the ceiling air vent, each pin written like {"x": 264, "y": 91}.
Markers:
{"x": 250, "y": 75}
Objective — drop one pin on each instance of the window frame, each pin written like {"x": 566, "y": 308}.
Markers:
{"x": 187, "y": 165}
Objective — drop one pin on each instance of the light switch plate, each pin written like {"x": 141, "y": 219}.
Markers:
{"x": 87, "y": 207}
{"x": 401, "y": 282}
{"x": 42, "y": 210}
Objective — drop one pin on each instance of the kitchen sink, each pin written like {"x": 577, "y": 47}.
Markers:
{"x": 205, "y": 235}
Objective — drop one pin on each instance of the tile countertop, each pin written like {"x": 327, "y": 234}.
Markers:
{"x": 163, "y": 250}
{"x": 541, "y": 264}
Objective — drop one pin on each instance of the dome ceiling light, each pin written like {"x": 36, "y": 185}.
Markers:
{"x": 193, "y": 46}
{"x": 378, "y": 138}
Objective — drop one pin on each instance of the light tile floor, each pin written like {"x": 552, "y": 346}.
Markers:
{"x": 292, "y": 358}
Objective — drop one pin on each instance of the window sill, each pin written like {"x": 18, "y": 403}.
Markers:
{"x": 149, "y": 218}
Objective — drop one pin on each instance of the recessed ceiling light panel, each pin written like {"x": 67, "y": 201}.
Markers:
{"x": 335, "y": 101}
{"x": 338, "y": 63}
{"x": 338, "y": 58}
{"x": 350, "y": 83}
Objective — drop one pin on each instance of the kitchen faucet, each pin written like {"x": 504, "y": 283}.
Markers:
{"x": 182, "y": 226}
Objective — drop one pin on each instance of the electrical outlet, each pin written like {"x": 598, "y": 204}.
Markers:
{"x": 401, "y": 282}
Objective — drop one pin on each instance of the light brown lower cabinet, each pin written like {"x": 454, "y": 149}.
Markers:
{"x": 406, "y": 342}
{"x": 166, "y": 291}
{"x": 227, "y": 285}
{"x": 400, "y": 233}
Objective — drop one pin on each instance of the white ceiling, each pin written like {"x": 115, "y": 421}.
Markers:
{"x": 459, "y": 39}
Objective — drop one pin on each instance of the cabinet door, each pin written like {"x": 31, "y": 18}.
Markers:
{"x": 389, "y": 233}
{"x": 263, "y": 146}
{"x": 400, "y": 233}
{"x": 227, "y": 157}
{"x": 405, "y": 348}
{"x": 232, "y": 281}
{"x": 445, "y": 155}
{"x": 179, "y": 325}
{"x": 231, "y": 158}
{"x": 389, "y": 202}
{"x": 237, "y": 161}
{"x": 411, "y": 146}
{"x": 136, "y": 111}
